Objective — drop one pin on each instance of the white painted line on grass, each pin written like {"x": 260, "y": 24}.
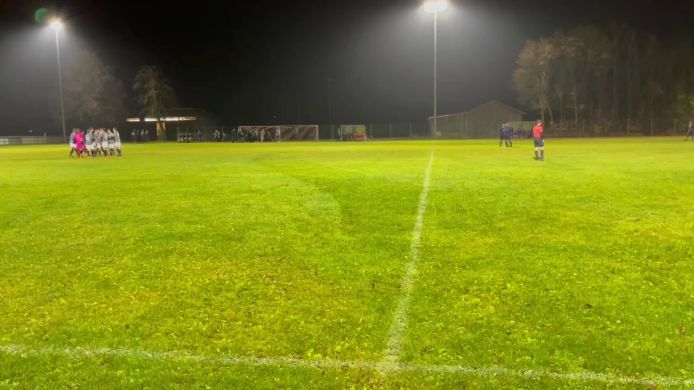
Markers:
{"x": 397, "y": 330}
{"x": 226, "y": 360}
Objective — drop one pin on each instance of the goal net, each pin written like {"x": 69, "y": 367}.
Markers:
{"x": 281, "y": 133}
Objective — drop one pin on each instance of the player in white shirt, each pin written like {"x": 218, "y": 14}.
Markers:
{"x": 97, "y": 142}
{"x": 104, "y": 142}
{"x": 73, "y": 142}
{"x": 111, "y": 141}
{"x": 117, "y": 145}
{"x": 89, "y": 141}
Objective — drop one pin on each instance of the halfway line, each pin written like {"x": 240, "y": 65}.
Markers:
{"x": 397, "y": 330}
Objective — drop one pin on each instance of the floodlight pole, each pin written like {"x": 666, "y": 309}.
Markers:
{"x": 436, "y": 19}
{"x": 60, "y": 83}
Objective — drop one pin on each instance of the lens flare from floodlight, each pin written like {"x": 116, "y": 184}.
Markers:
{"x": 57, "y": 25}
{"x": 435, "y": 6}
{"x": 40, "y": 15}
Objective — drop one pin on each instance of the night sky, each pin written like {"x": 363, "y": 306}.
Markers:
{"x": 272, "y": 62}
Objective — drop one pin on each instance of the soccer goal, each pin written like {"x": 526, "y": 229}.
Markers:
{"x": 281, "y": 133}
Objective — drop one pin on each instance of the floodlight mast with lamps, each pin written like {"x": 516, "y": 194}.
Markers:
{"x": 57, "y": 26}
{"x": 435, "y": 7}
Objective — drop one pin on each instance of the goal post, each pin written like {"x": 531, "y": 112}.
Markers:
{"x": 279, "y": 133}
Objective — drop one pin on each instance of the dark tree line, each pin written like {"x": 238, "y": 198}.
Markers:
{"x": 608, "y": 80}
{"x": 95, "y": 97}
{"x": 92, "y": 93}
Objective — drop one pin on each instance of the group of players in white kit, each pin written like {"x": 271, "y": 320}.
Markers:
{"x": 95, "y": 142}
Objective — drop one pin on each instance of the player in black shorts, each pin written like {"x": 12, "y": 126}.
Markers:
{"x": 505, "y": 135}
{"x": 539, "y": 141}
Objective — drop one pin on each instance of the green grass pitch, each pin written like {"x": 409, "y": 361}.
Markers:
{"x": 283, "y": 265}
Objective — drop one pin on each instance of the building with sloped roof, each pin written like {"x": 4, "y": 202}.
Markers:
{"x": 482, "y": 121}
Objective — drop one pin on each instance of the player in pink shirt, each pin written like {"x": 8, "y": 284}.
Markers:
{"x": 79, "y": 142}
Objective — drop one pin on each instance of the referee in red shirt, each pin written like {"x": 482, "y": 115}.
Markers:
{"x": 539, "y": 142}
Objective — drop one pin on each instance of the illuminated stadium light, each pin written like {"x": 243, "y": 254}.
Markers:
{"x": 435, "y": 6}
{"x": 56, "y": 25}
{"x": 164, "y": 119}
{"x": 179, "y": 118}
